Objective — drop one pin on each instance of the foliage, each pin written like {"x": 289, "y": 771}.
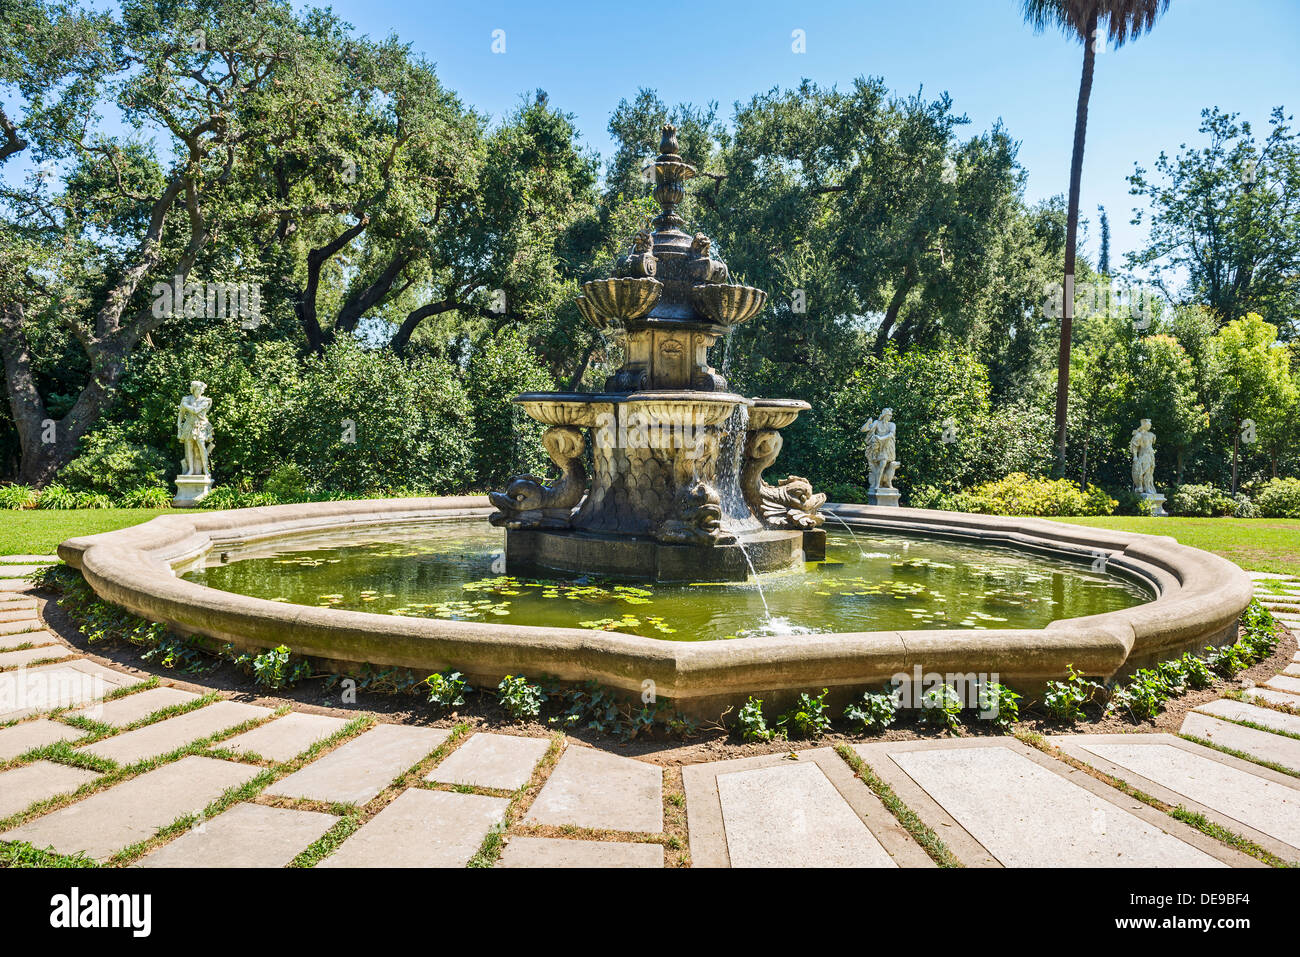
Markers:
{"x": 999, "y": 704}
{"x": 942, "y": 706}
{"x": 751, "y": 723}
{"x": 447, "y": 691}
{"x": 808, "y": 718}
{"x": 1279, "y": 498}
{"x": 519, "y": 698}
{"x": 873, "y": 711}
{"x": 275, "y": 669}
{"x": 1201, "y": 501}
{"x": 1020, "y": 494}
{"x": 108, "y": 462}
{"x": 1064, "y": 700}
{"x": 18, "y": 496}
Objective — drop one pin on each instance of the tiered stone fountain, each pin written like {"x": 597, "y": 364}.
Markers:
{"x": 677, "y": 490}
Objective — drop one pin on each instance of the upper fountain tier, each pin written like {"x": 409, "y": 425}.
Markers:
{"x": 669, "y": 297}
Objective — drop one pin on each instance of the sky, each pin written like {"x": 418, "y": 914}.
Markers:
{"x": 1240, "y": 55}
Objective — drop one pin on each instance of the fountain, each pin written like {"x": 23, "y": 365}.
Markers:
{"x": 672, "y": 496}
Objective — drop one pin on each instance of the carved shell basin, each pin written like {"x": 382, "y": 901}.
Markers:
{"x": 690, "y": 409}
{"x": 629, "y": 298}
{"x": 589, "y": 312}
{"x": 560, "y": 408}
{"x": 727, "y": 304}
{"x": 775, "y": 413}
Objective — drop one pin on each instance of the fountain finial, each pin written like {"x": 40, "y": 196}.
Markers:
{"x": 668, "y": 140}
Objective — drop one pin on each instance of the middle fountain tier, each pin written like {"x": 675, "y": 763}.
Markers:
{"x": 677, "y": 490}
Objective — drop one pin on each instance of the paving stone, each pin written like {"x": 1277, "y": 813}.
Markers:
{"x": 285, "y": 737}
{"x": 10, "y": 641}
{"x": 18, "y": 614}
{"x": 28, "y": 559}
{"x": 24, "y": 786}
{"x": 1026, "y": 815}
{"x": 1263, "y": 745}
{"x": 123, "y": 711}
{"x": 106, "y": 822}
{"x": 19, "y": 571}
{"x": 422, "y": 828}
{"x": 21, "y": 738}
{"x": 247, "y": 835}
{"x": 1277, "y": 683}
{"x": 29, "y": 690}
{"x": 500, "y": 761}
{"x": 10, "y": 601}
{"x": 792, "y": 816}
{"x": 18, "y": 625}
{"x": 1273, "y": 697}
{"x": 1265, "y": 805}
{"x": 166, "y": 736}
{"x": 556, "y": 852}
{"x": 21, "y": 585}
{"x": 1241, "y": 711}
{"x": 357, "y": 771}
{"x": 1292, "y": 669}
{"x": 590, "y": 788}
{"x": 27, "y": 656}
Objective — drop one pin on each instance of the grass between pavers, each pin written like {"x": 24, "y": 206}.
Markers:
{"x": 1243, "y": 755}
{"x": 22, "y": 854}
{"x": 1177, "y": 812}
{"x": 489, "y": 851}
{"x": 1238, "y": 694}
{"x": 1247, "y": 723}
{"x": 921, "y": 832}
{"x": 1256, "y": 544}
{"x": 39, "y": 531}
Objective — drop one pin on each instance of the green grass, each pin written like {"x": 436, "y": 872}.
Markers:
{"x": 37, "y": 531}
{"x": 1256, "y": 544}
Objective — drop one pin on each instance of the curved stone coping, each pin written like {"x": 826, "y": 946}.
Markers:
{"x": 1199, "y": 597}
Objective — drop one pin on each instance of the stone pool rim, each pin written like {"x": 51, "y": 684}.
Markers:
{"x": 1198, "y": 600}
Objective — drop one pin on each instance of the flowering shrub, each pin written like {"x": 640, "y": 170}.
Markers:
{"x": 1280, "y": 498}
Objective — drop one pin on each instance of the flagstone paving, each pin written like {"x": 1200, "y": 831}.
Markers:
{"x": 992, "y": 801}
{"x": 1260, "y": 745}
{"x": 169, "y": 734}
{"x": 108, "y": 821}
{"x": 591, "y": 788}
{"x": 21, "y": 738}
{"x": 246, "y": 835}
{"x": 499, "y": 761}
{"x": 27, "y": 656}
{"x": 285, "y": 737}
{"x": 557, "y": 852}
{"x": 358, "y": 770}
{"x": 422, "y": 828}
{"x": 38, "y": 781}
{"x": 134, "y": 707}
{"x": 1240, "y": 795}
{"x": 17, "y": 626}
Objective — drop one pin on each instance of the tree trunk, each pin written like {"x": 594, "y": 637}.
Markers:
{"x": 1071, "y": 234}
{"x": 1180, "y": 467}
{"x": 1236, "y": 444}
{"x": 895, "y": 304}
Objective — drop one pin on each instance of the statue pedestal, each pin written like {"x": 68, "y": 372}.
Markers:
{"x": 1157, "y": 503}
{"x": 190, "y": 490}
{"x": 883, "y": 496}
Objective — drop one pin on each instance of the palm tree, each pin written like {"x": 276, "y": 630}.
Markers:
{"x": 1086, "y": 20}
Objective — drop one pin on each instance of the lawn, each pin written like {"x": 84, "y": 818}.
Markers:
{"x": 1256, "y": 544}
{"x": 1260, "y": 544}
{"x": 38, "y": 531}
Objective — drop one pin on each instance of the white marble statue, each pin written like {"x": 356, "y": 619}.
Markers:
{"x": 195, "y": 434}
{"x": 1143, "y": 449}
{"x": 881, "y": 463}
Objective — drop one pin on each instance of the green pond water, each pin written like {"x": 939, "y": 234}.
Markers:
{"x": 878, "y": 582}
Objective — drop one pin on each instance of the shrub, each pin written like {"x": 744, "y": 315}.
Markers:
{"x": 18, "y": 496}
{"x": 287, "y": 483}
{"x": 1245, "y": 507}
{"x": 108, "y": 461}
{"x": 519, "y": 698}
{"x": 1201, "y": 501}
{"x": 447, "y": 691}
{"x": 1279, "y": 498}
{"x": 751, "y": 723}
{"x": 873, "y": 712}
{"x": 1198, "y": 674}
{"x": 277, "y": 668}
{"x": 1143, "y": 697}
{"x": 58, "y": 496}
{"x": 153, "y": 496}
{"x": 1021, "y": 494}
{"x": 808, "y": 718}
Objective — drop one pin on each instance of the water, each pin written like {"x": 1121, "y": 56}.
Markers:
{"x": 861, "y": 551}
{"x": 878, "y": 582}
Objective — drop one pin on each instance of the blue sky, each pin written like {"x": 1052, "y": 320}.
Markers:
{"x": 1240, "y": 55}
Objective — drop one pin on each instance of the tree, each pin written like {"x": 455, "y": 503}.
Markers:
{"x": 1103, "y": 258}
{"x": 1254, "y": 391}
{"x": 1084, "y": 20}
{"x": 1164, "y": 391}
{"x": 1227, "y": 217}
